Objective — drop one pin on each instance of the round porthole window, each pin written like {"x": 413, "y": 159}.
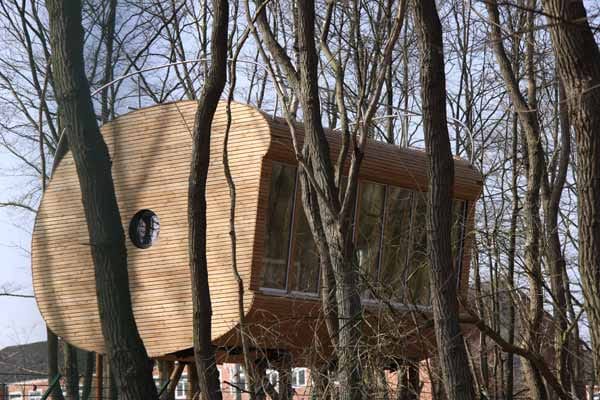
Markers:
{"x": 144, "y": 228}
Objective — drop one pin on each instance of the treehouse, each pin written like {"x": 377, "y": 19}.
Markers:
{"x": 276, "y": 255}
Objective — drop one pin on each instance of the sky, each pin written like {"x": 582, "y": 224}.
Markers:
{"x": 20, "y": 320}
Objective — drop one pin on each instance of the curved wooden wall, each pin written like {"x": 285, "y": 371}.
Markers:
{"x": 150, "y": 149}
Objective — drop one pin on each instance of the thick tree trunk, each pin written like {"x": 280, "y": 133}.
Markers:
{"x": 454, "y": 363}
{"x": 316, "y": 153}
{"x": 578, "y": 59}
{"x": 555, "y": 259}
{"x": 107, "y": 239}
{"x": 204, "y": 352}
{"x": 535, "y": 167}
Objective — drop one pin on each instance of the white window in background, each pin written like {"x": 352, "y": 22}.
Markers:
{"x": 238, "y": 378}
{"x": 273, "y": 378}
{"x": 182, "y": 388}
{"x": 15, "y": 396}
{"x": 34, "y": 395}
{"x": 298, "y": 377}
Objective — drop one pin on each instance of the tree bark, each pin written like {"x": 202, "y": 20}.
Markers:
{"x": 107, "y": 239}
{"x": 454, "y": 363}
{"x": 552, "y": 192}
{"x": 535, "y": 166}
{"x": 578, "y": 59}
{"x": 204, "y": 353}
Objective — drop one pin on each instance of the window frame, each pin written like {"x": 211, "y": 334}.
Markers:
{"x": 356, "y": 220}
{"x": 236, "y": 372}
{"x": 262, "y": 287}
{"x": 34, "y": 395}
{"x": 291, "y": 272}
{"x": 295, "y": 374}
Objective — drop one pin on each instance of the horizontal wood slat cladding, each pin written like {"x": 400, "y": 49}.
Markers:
{"x": 150, "y": 150}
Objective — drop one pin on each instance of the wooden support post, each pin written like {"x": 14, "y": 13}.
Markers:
{"x": 99, "y": 376}
{"x": 165, "y": 369}
{"x": 192, "y": 381}
{"x": 284, "y": 370}
{"x": 173, "y": 381}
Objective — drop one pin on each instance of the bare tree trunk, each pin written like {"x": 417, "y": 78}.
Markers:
{"x": 578, "y": 59}
{"x": 556, "y": 262}
{"x": 204, "y": 353}
{"x": 443, "y": 276}
{"x": 535, "y": 166}
{"x": 109, "y": 38}
{"x": 509, "y": 387}
{"x": 122, "y": 341}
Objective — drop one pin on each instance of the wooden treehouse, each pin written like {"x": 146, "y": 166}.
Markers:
{"x": 277, "y": 260}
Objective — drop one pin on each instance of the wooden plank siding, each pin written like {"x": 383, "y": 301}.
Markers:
{"x": 150, "y": 149}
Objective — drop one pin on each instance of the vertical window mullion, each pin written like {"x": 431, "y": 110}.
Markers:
{"x": 461, "y": 242}
{"x": 291, "y": 232}
{"x": 382, "y": 232}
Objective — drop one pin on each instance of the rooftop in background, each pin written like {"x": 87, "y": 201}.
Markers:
{"x": 23, "y": 362}
{"x": 28, "y": 361}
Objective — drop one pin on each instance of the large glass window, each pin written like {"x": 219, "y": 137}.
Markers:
{"x": 279, "y": 217}
{"x": 370, "y": 224}
{"x": 390, "y": 240}
{"x": 298, "y": 377}
{"x": 417, "y": 274}
{"x": 34, "y": 395}
{"x": 182, "y": 388}
{"x": 306, "y": 256}
{"x": 396, "y": 240}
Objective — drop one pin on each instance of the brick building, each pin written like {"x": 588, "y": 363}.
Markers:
{"x": 23, "y": 376}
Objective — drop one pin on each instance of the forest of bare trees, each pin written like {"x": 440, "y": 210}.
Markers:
{"x": 510, "y": 86}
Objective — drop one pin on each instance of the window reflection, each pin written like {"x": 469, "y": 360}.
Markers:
{"x": 370, "y": 220}
{"x": 279, "y": 217}
{"x": 396, "y": 238}
{"x": 417, "y": 275}
{"x": 306, "y": 257}
{"x": 390, "y": 241}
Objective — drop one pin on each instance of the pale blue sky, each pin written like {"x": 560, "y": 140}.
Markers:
{"x": 20, "y": 320}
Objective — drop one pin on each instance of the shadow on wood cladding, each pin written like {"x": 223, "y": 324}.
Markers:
{"x": 150, "y": 150}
